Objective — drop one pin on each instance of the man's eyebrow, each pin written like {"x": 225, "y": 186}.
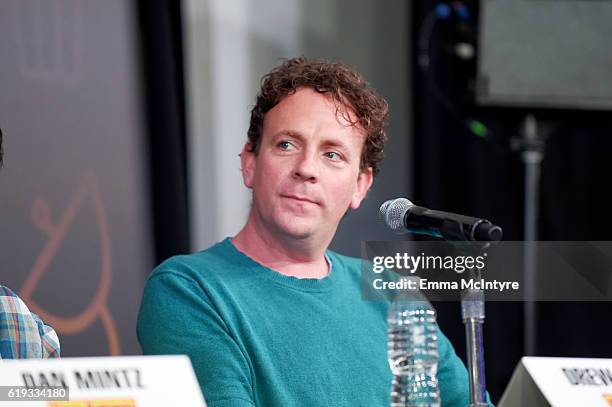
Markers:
{"x": 289, "y": 133}
{"x": 335, "y": 143}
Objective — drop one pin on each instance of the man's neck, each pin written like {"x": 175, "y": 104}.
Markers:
{"x": 299, "y": 258}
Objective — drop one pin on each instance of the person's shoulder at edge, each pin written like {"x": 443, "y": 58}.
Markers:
{"x": 22, "y": 333}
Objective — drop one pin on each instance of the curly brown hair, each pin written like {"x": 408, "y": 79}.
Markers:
{"x": 344, "y": 85}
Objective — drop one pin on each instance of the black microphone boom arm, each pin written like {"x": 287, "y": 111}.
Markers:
{"x": 450, "y": 226}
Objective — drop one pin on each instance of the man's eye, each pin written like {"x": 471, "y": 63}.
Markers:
{"x": 285, "y": 145}
{"x": 334, "y": 156}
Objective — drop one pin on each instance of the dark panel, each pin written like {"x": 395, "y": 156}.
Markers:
{"x": 160, "y": 35}
{"x": 546, "y": 53}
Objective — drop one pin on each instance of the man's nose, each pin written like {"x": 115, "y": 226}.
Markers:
{"x": 307, "y": 167}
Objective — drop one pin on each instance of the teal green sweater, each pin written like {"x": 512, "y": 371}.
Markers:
{"x": 260, "y": 338}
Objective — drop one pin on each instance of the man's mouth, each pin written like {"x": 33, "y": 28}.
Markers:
{"x": 300, "y": 198}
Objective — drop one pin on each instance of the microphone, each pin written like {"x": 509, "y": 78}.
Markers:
{"x": 401, "y": 215}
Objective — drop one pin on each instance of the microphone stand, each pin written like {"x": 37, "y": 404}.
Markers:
{"x": 469, "y": 238}
{"x": 473, "y": 315}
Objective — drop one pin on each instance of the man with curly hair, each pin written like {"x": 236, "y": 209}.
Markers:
{"x": 271, "y": 317}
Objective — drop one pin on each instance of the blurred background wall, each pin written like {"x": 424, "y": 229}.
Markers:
{"x": 123, "y": 122}
{"x": 75, "y": 212}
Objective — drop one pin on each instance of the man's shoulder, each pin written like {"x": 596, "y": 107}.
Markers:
{"x": 206, "y": 263}
{"x": 351, "y": 264}
{"x": 342, "y": 257}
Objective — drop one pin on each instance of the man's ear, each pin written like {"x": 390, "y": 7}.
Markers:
{"x": 248, "y": 160}
{"x": 364, "y": 182}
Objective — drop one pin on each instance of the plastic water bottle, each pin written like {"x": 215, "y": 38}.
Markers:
{"x": 413, "y": 350}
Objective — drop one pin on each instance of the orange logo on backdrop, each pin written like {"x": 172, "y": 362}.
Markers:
{"x": 94, "y": 403}
{"x": 56, "y": 232}
{"x": 608, "y": 398}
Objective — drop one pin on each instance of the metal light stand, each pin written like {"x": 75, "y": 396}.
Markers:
{"x": 531, "y": 144}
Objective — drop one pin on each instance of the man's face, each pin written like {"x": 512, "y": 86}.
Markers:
{"x": 306, "y": 173}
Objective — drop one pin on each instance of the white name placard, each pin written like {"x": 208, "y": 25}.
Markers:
{"x": 560, "y": 382}
{"x": 123, "y": 381}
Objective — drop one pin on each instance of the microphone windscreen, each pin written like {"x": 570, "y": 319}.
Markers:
{"x": 392, "y": 213}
